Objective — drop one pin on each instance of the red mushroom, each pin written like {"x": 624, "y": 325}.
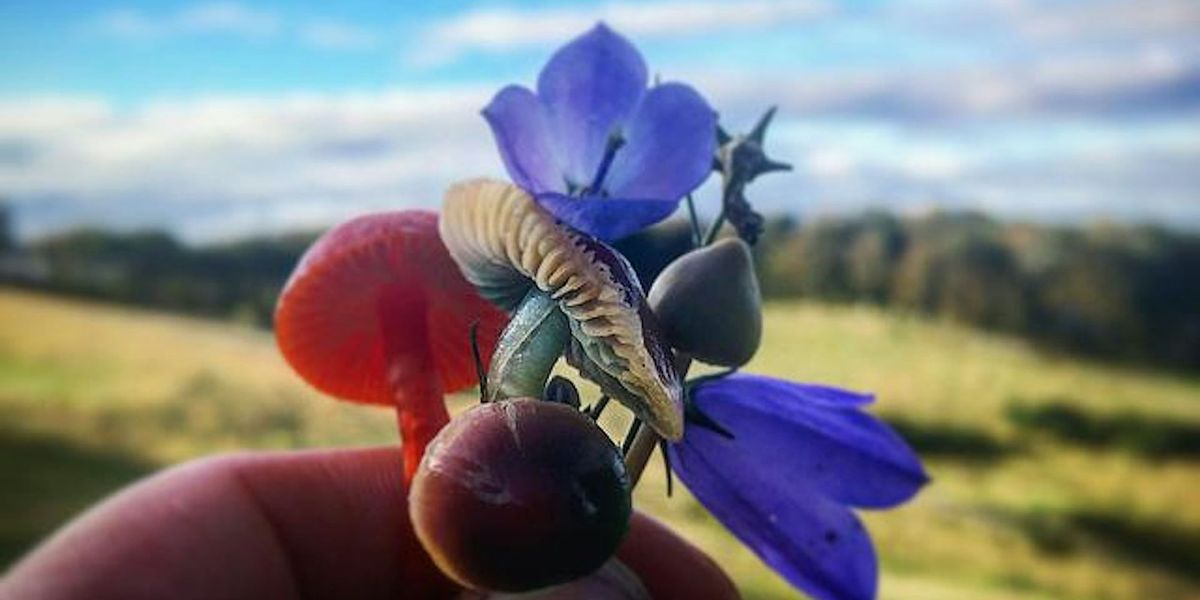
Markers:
{"x": 377, "y": 312}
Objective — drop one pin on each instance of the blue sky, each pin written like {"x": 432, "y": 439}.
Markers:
{"x": 216, "y": 119}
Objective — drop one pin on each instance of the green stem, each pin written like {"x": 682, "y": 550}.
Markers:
{"x": 716, "y": 227}
{"x": 528, "y": 348}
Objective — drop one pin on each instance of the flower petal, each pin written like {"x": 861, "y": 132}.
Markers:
{"x": 589, "y": 87}
{"x": 519, "y": 126}
{"x": 606, "y": 218}
{"x": 814, "y": 543}
{"x": 835, "y": 448}
{"x": 669, "y": 147}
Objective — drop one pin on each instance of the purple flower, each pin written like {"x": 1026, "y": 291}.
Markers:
{"x": 800, "y": 456}
{"x": 598, "y": 149}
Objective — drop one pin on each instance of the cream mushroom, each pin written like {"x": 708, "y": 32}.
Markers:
{"x": 507, "y": 245}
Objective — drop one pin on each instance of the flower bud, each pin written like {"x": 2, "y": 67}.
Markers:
{"x": 708, "y": 304}
{"x": 519, "y": 495}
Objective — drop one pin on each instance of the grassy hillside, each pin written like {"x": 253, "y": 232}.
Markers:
{"x": 1053, "y": 478}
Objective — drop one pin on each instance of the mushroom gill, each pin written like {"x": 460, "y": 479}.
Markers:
{"x": 505, "y": 244}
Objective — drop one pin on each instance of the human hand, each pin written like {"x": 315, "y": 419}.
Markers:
{"x": 308, "y": 524}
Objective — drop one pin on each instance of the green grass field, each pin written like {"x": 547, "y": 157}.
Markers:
{"x": 1053, "y": 477}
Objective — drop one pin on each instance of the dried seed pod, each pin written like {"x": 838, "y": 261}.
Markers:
{"x": 505, "y": 243}
{"x": 709, "y": 304}
{"x": 519, "y": 495}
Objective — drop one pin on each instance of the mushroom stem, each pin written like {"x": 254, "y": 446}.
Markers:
{"x": 421, "y": 414}
{"x": 412, "y": 378}
{"x": 528, "y": 348}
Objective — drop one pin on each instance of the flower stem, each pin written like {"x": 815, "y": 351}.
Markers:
{"x": 634, "y": 428}
{"x": 598, "y": 409}
{"x": 639, "y": 454}
{"x": 716, "y": 228}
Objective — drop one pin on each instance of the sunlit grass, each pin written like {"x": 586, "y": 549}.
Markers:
{"x": 100, "y": 395}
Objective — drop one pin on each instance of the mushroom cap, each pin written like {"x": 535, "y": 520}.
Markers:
{"x": 504, "y": 243}
{"x": 376, "y": 303}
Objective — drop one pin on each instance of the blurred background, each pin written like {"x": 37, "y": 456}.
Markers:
{"x": 993, "y": 223}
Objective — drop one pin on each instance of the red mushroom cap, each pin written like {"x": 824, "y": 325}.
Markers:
{"x": 376, "y": 311}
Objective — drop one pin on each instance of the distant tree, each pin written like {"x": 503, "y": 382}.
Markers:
{"x": 872, "y": 256}
{"x": 8, "y": 241}
{"x": 980, "y": 284}
{"x": 918, "y": 277}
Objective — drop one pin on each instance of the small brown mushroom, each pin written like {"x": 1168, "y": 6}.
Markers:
{"x": 506, "y": 244}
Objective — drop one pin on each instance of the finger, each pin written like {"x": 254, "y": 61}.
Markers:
{"x": 317, "y": 524}
{"x": 671, "y": 567}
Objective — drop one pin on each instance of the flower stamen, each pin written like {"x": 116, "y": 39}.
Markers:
{"x": 615, "y": 141}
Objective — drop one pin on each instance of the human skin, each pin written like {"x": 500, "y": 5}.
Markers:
{"x": 307, "y": 524}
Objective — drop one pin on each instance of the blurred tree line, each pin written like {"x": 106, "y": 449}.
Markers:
{"x": 1119, "y": 291}
{"x": 1116, "y": 291}
{"x": 238, "y": 280}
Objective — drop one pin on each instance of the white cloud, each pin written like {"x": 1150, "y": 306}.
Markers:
{"x": 1104, "y": 18}
{"x": 49, "y": 115}
{"x": 1052, "y": 21}
{"x": 502, "y": 29}
{"x": 209, "y": 18}
{"x": 336, "y": 35}
{"x": 223, "y": 167}
{"x": 229, "y": 18}
{"x": 1150, "y": 80}
{"x": 227, "y": 166}
{"x": 1039, "y": 169}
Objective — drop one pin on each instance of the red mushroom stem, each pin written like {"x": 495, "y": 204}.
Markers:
{"x": 413, "y": 382}
{"x": 421, "y": 414}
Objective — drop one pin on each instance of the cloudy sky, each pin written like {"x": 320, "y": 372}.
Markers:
{"x": 215, "y": 119}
